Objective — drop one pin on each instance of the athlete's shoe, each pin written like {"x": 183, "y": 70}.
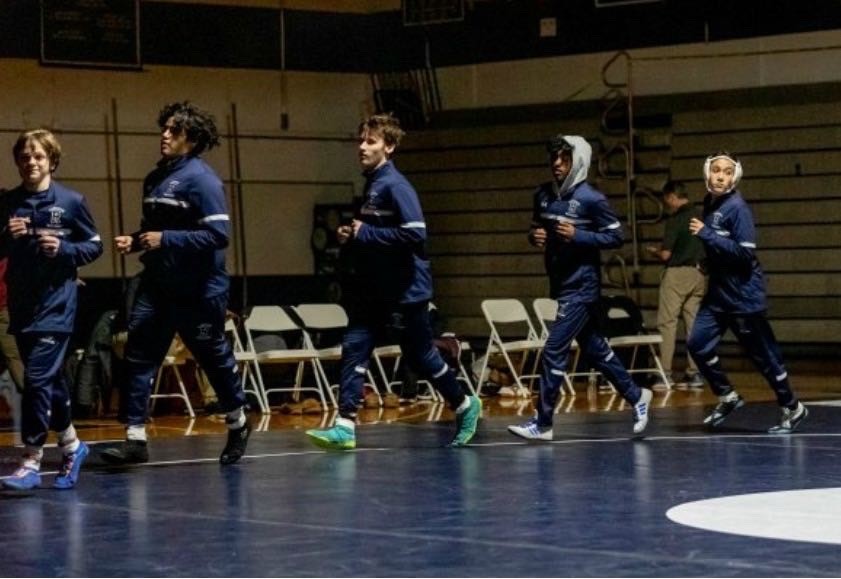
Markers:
{"x": 641, "y": 409}
{"x": 237, "y": 442}
{"x": 725, "y": 407}
{"x": 531, "y": 430}
{"x": 790, "y": 419}
{"x": 660, "y": 384}
{"x": 466, "y": 422}
{"x": 23, "y": 479}
{"x": 71, "y": 464}
{"x": 338, "y": 437}
{"x": 695, "y": 381}
{"x": 129, "y": 452}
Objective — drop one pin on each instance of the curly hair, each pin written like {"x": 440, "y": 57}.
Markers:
{"x": 386, "y": 125}
{"x": 199, "y": 125}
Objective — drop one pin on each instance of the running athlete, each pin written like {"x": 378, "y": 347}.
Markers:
{"x": 184, "y": 285}
{"x": 393, "y": 289}
{"x": 735, "y": 298}
{"x": 571, "y": 222}
{"x": 49, "y": 234}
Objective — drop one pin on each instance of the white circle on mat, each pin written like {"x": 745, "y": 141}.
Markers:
{"x": 812, "y": 515}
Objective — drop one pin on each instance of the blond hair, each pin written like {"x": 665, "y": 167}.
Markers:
{"x": 43, "y": 137}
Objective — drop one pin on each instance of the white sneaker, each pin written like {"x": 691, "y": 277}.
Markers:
{"x": 790, "y": 419}
{"x": 725, "y": 407}
{"x": 531, "y": 431}
{"x": 641, "y": 411}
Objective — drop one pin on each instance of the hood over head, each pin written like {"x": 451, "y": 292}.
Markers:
{"x": 581, "y": 152}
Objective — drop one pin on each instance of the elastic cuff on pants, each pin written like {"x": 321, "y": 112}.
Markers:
{"x": 137, "y": 432}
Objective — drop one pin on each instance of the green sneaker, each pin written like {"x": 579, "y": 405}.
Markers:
{"x": 341, "y": 436}
{"x": 466, "y": 423}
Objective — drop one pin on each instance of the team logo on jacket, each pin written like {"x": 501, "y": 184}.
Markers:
{"x": 56, "y": 213}
{"x": 572, "y": 210}
{"x": 203, "y": 331}
{"x": 717, "y": 218}
{"x": 170, "y": 188}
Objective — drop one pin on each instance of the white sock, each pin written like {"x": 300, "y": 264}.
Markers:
{"x": 68, "y": 441}
{"x": 346, "y": 423}
{"x": 136, "y": 432}
{"x": 235, "y": 419}
{"x": 465, "y": 404}
{"x": 32, "y": 456}
{"x": 729, "y": 397}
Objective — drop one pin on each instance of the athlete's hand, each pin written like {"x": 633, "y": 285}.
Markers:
{"x": 537, "y": 236}
{"x": 344, "y": 233}
{"x": 565, "y": 230}
{"x": 695, "y": 226}
{"x": 49, "y": 245}
{"x": 150, "y": 240}
{"x": 123, "y": 244}
{"x": 357, "y": 225}
{"x": 18, "y": 226}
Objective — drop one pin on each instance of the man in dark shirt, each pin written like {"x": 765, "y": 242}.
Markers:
{"x": 682, "y": 284}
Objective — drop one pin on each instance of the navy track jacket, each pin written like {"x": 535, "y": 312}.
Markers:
{"x": 185, "y": 199}
{"x": 389, "y": 251}
{"x": 736, "y": 283}
{"x": 574, "y": 267}
{"x": 42, "y": 290}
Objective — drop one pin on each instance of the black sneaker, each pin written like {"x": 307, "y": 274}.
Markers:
{"x": 727, "y": 404}
{"x": 129, "y": 452}
{"x": 235, "y": 447}
{"x": 790, "y": 419}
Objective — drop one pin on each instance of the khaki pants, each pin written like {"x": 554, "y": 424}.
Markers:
{"x": 9, "y": 351}
{"x": 681, "y": 291}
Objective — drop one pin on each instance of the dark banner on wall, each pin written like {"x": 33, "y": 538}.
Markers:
{"x": 96, "y": 33}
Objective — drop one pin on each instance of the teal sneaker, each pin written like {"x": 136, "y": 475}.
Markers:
{"x": 341, "y": 436}
{"x": 24, "y": 478}
{"x": 466, "y": 423}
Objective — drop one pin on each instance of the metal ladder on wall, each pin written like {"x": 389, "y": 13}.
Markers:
{"x": 618, "y": 109}
{"x": 412, "y": 95}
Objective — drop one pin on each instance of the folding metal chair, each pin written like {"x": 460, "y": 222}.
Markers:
{"x": 646, "y": 341}
{"x": 320, "y": 318}
{"x": 509, "y": 313}
{"x": 393, "y": 352}
{"x": 252, "y": 380}
{"x": 274, "y": 319}
{"x": 175, "y": 357}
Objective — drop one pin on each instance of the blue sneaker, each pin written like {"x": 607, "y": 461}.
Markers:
{"x": 23, "y": 479}
{"x": 466, "y": 422}
{"x": 341, "y": 436}
{"x": 71, "y": 464}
